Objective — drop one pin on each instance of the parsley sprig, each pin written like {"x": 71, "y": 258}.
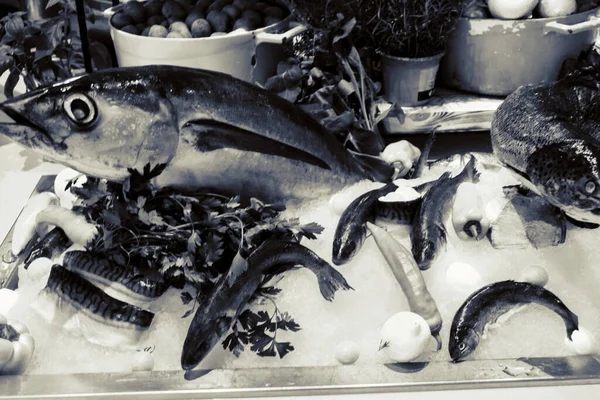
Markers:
{"x": 189, "y": 240}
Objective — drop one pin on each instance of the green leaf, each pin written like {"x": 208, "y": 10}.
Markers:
{"x": 188, "y": 313}
{"x": 283, "y": 348}
{"x": 186, "y": 298}
{"x": 346, "y": 29}
{"x": 11, "y": 83}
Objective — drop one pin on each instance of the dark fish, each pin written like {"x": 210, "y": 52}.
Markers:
{"x": 231, "y": 294}
{"x": 489, "y": 303}
{"x": 550, "y": 136}
{"x": 210, "y": 129}
{"x": 87, "y": 298}
{"x": 117, "y": 281}
{"x": 51, "y": 245}
{"x": 351, "y": 229}
{"x": 428, "y": 234}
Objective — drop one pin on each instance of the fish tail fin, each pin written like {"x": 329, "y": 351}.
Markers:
{"x": 374, "y": 167}
{"x": 330, "y": 281}
{"x": 572, "y": 324}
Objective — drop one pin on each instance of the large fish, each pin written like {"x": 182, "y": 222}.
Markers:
{"x": 212, "y": 131}
{"x": 549, "y": 135}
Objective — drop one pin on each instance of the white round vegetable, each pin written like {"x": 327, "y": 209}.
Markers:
{"x": 405, "y": 336}
{"x": 402, "y": 154}
{"x": 142, "y": 361}
{"x": 26, "y": 224}
{"x": 39, "y": 268}
{"x": 535, "y": 274}
{"x": 347, "y": 352}
{"x": 583, "y": 342}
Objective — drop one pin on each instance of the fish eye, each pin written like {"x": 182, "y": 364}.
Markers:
{"x": 462, "y": 347}
{"x": 80, "y": 109}
{"x": 589, "y": 187}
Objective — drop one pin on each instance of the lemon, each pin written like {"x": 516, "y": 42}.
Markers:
{"x": 511, "y": 9}
{"x": 405, "y": 336}
{"x": 556, "y": 8}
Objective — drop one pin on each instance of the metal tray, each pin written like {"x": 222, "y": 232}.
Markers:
{"x": 295, "y": 381}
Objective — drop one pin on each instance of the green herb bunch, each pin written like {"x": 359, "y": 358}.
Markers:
{"x": 189, "y": 242}
{"x": 409, "y": 28}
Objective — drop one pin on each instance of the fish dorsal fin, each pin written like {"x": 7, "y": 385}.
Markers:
{"x": 210, "y": 135}
{"x": 378, "y": 169}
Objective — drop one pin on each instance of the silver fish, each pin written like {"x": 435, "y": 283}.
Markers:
{"x": 212, "y": 130}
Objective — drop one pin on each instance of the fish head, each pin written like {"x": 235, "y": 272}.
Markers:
{"x": 100, "y": 124}
{"x": 463, "y": 341}
{"x": 567, "y": 174}
{"x": 347, "y": 243}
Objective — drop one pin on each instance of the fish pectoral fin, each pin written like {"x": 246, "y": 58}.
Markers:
{"x": 209, "y": 135}
{"x": 378, "y": 169}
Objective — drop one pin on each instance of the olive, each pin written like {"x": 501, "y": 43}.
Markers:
{"x": 218, "y": 5}
{"x": 192, "y": 17}
{"x": 131, "y": 29}
{"x": 155, "y": 20}
{"x": 244, "y": 23}
{"x": 158, "y": 31}
{"x": 165, "y": 23}
{"x": 180, "y": 27}
{"x": 268, "y": 21}
{"x": 214, "y": 34}
{"x": 200, "y": 28}
{"x": 135, "y": 10}
{"x": 253, "y": 16}
{"x": 218, "y": 21}
{"x": 172, "y": 9}
{"x": 140, "y": 27}
{"x": 274, "y": 12}
{"x": 175, "y": 34}
{"x": 153, "y": 7}
{"x": 188, "y": 5}
{"x": 243, "y": 4}
{"x": 260, "y": 7}
{"x": 232, "y": 12}
{"x": 119, "y": 20}
{"x": 202, "y": 5}
{"x": 146, "y": 31}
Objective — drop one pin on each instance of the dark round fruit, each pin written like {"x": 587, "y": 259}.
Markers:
{"x": 218, "y": 5}
{"x": 172, "y": 9}
{"x": 218, "y": 21}
{"x": 165, "y": 23}
{"x": 243, "y": 5}
{"x": 140, "y": 27}
{"x": 200, "y": 28}
{"x": 135, "y": 10}
{"x": 146, "y": 31}
{"x": 274, "y": 12}
{"x": 155, "y": 20}
{"x": 192, "y": 17}
{"x": 188, "y": 5}
{"x": 153, "y": 7}
{"x": 245, "y": 24}
{"x": 202, "y": 5}
{"x": 232, "y": 12}
{"x": 131, "y": 29}
{"x": 119, "y": 20}
{"x": 253, "y": 16}
{"x": 271, "y": 20}
{"x": 260, "y": 6}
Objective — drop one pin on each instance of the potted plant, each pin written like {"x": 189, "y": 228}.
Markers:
{"x": 411, "y": 37}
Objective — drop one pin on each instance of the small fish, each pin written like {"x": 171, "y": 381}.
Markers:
{"x": 428, "y": 233}
{"x": 549, "y": 135}
{"x": 115, "y": 280}
{"x": 222, "y": 306}
{"x": 90, "y": 300}
{"x": 351, "y": 229}
{"x": 51, "y": 245}
{"x": 211, "y": 130}
{"x": 490, "y": 302}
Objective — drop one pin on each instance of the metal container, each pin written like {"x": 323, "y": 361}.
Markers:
{"x": 495, "y": 57}
{"x": 247, "y": 55}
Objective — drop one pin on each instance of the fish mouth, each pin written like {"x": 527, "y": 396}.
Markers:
{"x": 23, "y": 130}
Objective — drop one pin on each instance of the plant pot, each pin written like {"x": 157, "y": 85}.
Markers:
{"x": 409, "y": 81}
